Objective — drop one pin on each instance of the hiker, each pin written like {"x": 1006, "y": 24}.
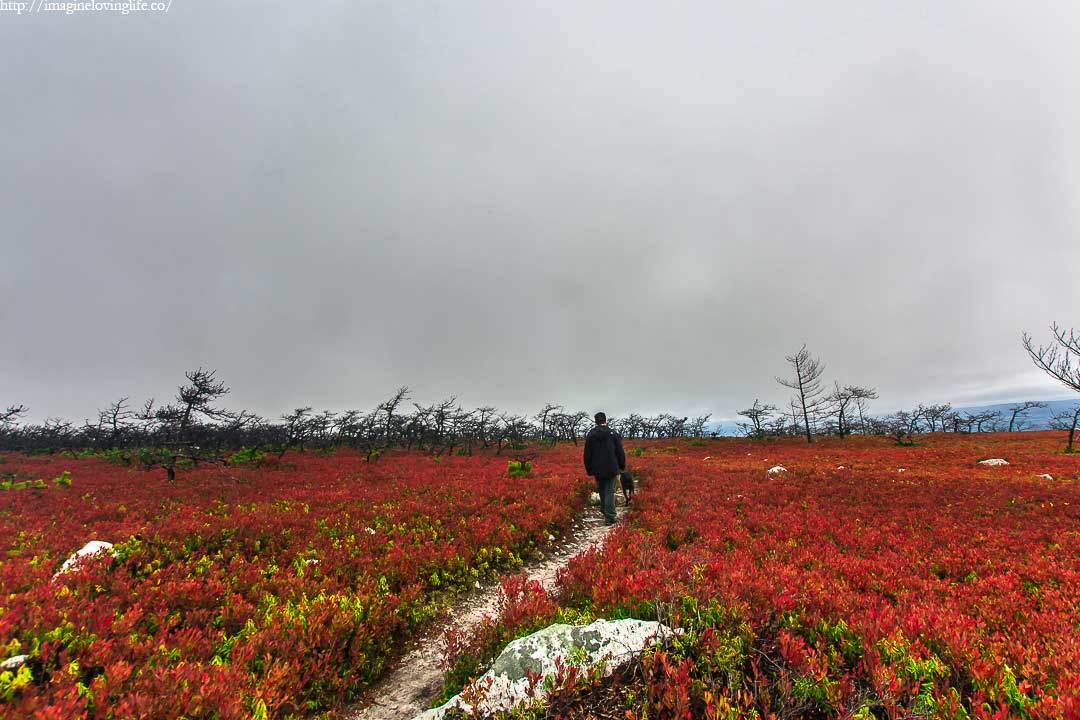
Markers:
{"x": 604, "y": 459}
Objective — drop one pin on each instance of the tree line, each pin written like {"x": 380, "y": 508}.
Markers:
{"x": 841, "y": 410}
{"x": 195, "y": 427}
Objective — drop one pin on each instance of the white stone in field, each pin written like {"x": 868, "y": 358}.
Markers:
{"x": 841, "y": 467}
{"x": 994, "y": 462}
{"x": 14, "y": 662}
{"x": 594, "y": 499}
{"x": 776, "y": 470}
{"x": 1047, "y": 476}
{"x": 551, "y": 538}
{"x": 507, "y": 682}
{"x": 91, "y": 548}
{"x": 901, "y": 469}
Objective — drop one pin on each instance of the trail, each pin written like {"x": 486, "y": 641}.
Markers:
{"x": 407, "y": 688}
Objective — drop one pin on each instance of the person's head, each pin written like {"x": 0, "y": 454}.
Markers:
{"x": 600, "y": 418}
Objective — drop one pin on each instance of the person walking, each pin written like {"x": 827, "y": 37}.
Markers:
{"x": 604, "y": 459}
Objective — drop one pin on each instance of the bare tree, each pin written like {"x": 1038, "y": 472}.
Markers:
{"x": 11, "y": 414}
{"x": 1067, "y": 420}
{"x": 758, "y": 415}
{"x": 1061, "y": 359}
{"x": 390, "y": 407}
{"x": 937, "y": 414}
{"x": 842, "y": 399}
{"x": 297, "y": 429}
{"x": 807, "y": 386}
{"x": 116, "y": 421}
{"x": 697, "y": 425}
{"x": 899, "y": 425}
{"x": 485, "y": 418}
{"x": 1020, "y": 410}
{"x": 542, "y": 416}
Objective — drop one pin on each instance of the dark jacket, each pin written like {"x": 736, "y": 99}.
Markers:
{"x": 604, "y": 455}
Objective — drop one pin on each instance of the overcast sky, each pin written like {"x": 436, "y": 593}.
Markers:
{"x": 609, "y": 205}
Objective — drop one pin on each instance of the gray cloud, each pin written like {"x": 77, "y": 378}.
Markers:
{"x": 627, "y": 205}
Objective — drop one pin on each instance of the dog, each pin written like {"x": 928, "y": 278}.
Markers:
{"x": 627, "y": 479}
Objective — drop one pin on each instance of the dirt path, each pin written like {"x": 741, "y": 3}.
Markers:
{"x": 407, "y": 688}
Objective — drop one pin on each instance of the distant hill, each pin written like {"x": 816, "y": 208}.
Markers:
{"x": 1037, "y": 418}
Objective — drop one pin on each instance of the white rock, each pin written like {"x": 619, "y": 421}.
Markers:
{"x": 551, "y": 538}
{"x": 14, "y": 662}
{"x": 594, "y": 499}
{"x": 91, "y": 548}
{"x": 1046, "y": 476}
{"x": 841, "y": 467}
{"x": 707, "y": 457}
{"x": 610, "y": 642}
{"x": 994, "y": 462}
{"x": 776, "y": 470}
{"x": 901, "y": 469}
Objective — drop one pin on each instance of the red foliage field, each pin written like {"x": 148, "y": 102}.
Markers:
{"x": 912, "y": 582}
{"x": 252, "y": 591}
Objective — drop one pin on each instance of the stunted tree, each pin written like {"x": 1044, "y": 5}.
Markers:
{"x": 485, "y": 418}
{"x": 11, "y": 414}
{"x": 1060, "y": 359}
{"x": 298, "y": 429}
{"x": 1067, "y": 420}
{"x": 194, "y": 404}
{"x": 1019, "y": 412}
{"x": 807, "y": 386}
{"x": 543, "y": 416}
{"x": 900, "y": 425}
{"x": 696, "y": 428}
{"x": 758, "y": 415}
{"x": 177, "y": 423}
{"x": 843, "y": 400}
{"x": 937, "y": 414}
{"x": 390, "y": 407}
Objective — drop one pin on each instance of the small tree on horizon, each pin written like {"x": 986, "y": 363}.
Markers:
{"x": 807, "y": 386}
{"x": 842, "y": 399}
{"x": 1020, "y": 411}
{"x": 758, "y": 415}
{"x": 1067, "y": 420}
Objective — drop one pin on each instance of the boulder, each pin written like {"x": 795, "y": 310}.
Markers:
{"x": 1047, "y": 476}
{"x": 776, "y": 470}
{"x": 14, "y": 662}
{"x": 993, "y": 462}
{"x": 89, "y": 549}
{"x": 611, "y": 642}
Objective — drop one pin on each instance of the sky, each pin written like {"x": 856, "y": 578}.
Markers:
{"x": 629, "y": 206}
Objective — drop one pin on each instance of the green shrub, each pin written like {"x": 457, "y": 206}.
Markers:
{"x": 63, "y": 479}
{"x": 518, "y": 468}
{"x": 245, "y": 456}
